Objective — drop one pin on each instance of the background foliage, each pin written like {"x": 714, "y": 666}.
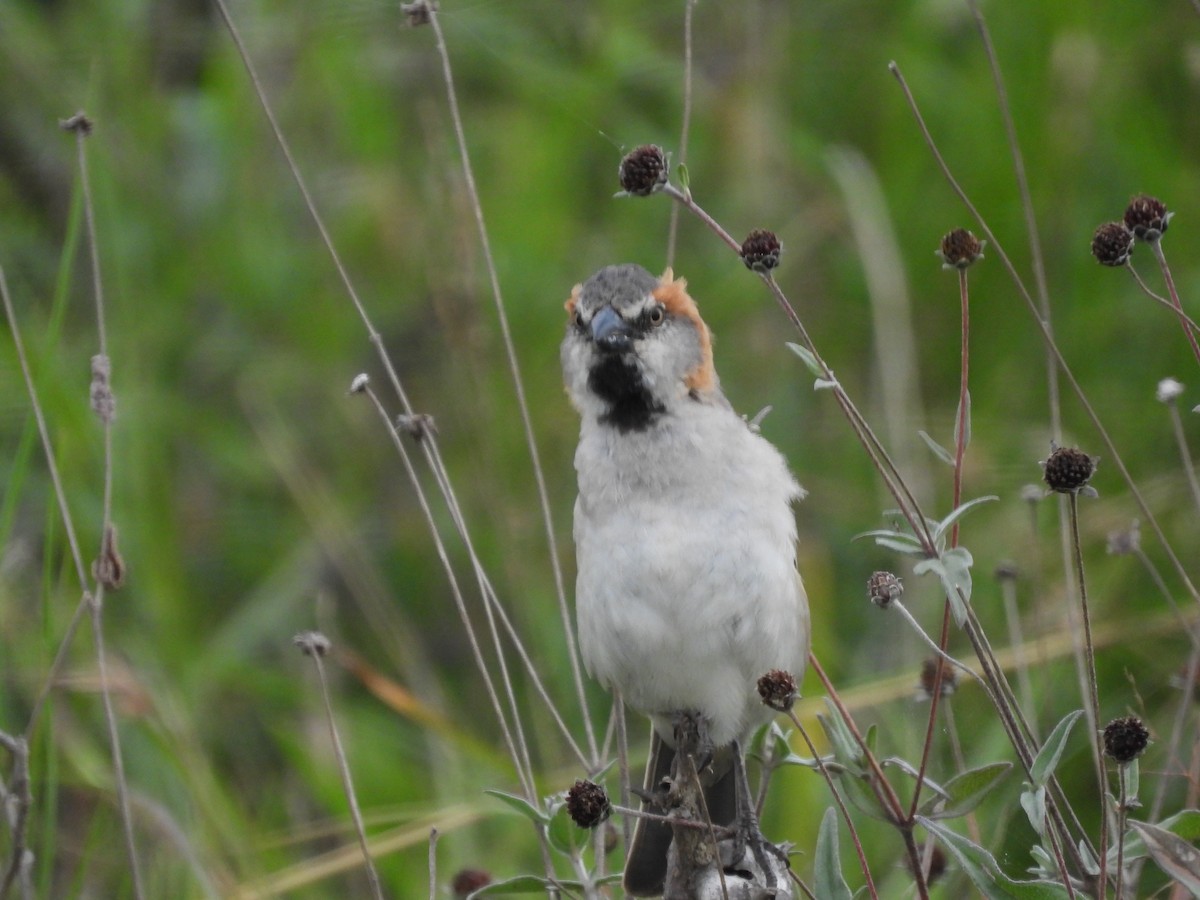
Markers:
{"x": 255, "y": 499}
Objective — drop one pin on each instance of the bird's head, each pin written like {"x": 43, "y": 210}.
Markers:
{"x": 635, "y": 347}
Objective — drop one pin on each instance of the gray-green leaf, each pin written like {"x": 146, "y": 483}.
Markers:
{"x": 1175, "y": 856}
{"x": 827, "y": 871}
{"x": 521, "y": 805}
{"x": 966, "y": 791}
{"x": 937, "y": 449}
{"x": 1052, "y": 750}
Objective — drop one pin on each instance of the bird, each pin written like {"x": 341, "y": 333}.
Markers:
{"x": 687, "y": 589}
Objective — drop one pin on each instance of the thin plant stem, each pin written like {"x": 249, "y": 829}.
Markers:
{"x": 1161, "y": 258}
{"x": 1162, "y": 301}
{"x": 1012, "y": 615}
{"x": 960, "y": 447}
{"x": 1122, "y": 815}
{"x": 841, "y": 804}
{"x": 1093, "y": 697}
{"x": 102, "y": 404}
{"x": 1047, "y": 335}
{"x": 433, "y": 839}
{"x": 1185, "y": 455}
{"x": 316, "y": 646}
{"x": 17, "y": 799}
{"x": 618, "y": 712}
{"x": 685, "y": 127}
{"x": 518, "y": 382}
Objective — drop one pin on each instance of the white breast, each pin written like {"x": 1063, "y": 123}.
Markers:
{"x": 687, "y": 590}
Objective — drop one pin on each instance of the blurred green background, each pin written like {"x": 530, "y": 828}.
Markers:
{"x": 255, "y": 499}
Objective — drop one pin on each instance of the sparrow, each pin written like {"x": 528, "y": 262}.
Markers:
{"x": 687, "y": 589}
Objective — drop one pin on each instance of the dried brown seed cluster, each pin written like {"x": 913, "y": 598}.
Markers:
{"x": 884, "y": 588}
{"x": 587, "y": 804}
{"x": 1112, "y": 244}
{"x": 960, "y": 249}
{"x": 1125, "y": 739}
{"x": 1147, "y": 218}
{"x": 644, "y": 170}
{"x": 929, "y": 676}
{"x": 760, "y": 250}
{"x": 1067, "y": 470}
{"x": 778, "y": 690}
{"x": 468, "y": 881}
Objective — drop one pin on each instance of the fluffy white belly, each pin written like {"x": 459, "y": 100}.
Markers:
{"x": 685, "y": 606}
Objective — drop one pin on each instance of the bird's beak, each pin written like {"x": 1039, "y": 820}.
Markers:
{"x": 610, "y": 332}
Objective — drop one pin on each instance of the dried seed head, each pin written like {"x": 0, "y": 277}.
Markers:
{"x": 109, "y": 568}
{"x": 1168, "y": 390}
{"x": 77, "y": 124}
{"x": 1067, "y": 470}
{"x": 760, "y": 250}
{"x": 416, "y": 14}
{"x": 587, "y": 804}
{"x": 778, "y": 690}
{"x": 359, "y": 384}
{"x": 467, "y": 881}
{"x": 104, "y": 404}
{"x": 1007, "y": 570}
{"x": 644, "y": 170}
{"x": 960, "y": 249}
{"x": 884, "y": 588}
{"x": 929, "y": 675}
{"x": 1147, "y": 218}
{"x": 1125, "y": 739}
{"x": 1112, "y": 243}
{"x": 1032, "y": 494}
{"x": 312, "y": 643}
{"x": 418, "y": 426}
{"x": 937, "y": 862}
{"x": 1122, "y": 543}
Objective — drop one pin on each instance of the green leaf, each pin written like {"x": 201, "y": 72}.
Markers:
{"x": 1184, "y": 824}
{"x": 966, "y": 791}
{"x": 565, "y": 836}
{"x": 827, "y": 867}
{"x": 980, "y": 866}
{"x": 944, "y": 526}
{"x": 966, "y": 416}
{"x": 521, "y": 884}
{"x": 1034, "y": 804}
{"x": 1052, "y": 750}
{"x": 953, "y": 569}
{"x": 681, "y": 172}
{"x": 845, "y": 747}
{"x": 938, "y": 450}
{"x": 1175, "y": 856}
{"x": 521, "y": 805}
{"x": 808, "y": 358}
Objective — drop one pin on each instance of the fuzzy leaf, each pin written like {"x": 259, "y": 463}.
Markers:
{"x": 521, "y": 805}
{"x": 827, "y": 866}
{"x": 966, "y": 417}
{"x": 967, "y": 790}
{"x": 565, "y": 836}
{"x": 944, "y": 526}
{"x": 808, "y": 359}
{"x": 1175, "y": 856}
{"x": 980, "y": 866}
{"x": 1052, "y": 750}
{"x": 954, "y": 571}
{"x": 1034, "y": 804}
{"x": 1184, "y": 824}
{"x": 825, "y": 384}
{"x": 937, "y": 449}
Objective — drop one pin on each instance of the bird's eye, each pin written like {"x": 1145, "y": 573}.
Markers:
{"x": 657, "y": 315}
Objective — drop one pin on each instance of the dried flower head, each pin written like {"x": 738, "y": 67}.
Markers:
{"x": 778, "y": 690}
{"x": 1032, "y": 494}
{"x": 1067, "y": 470}
{"x": 884, "y": 588}
{"x": 417, "y": 426}
{"x": 104, "y": 403}
{"x": 468, "y": 881}
{"x": 312, "y": 643}
{"x": 1112, "y": 243}
{"x": 587, "y": 804}
{"x": 644, "y": 170}
{"x": 1147, "y": 218}
{"x": 1125, "y": 739}
{"x": 77, "y": 124}
{"x": 1006, "y": 570}
{"x": 960, "y": 249}
{"x": 760, "y": 250}
{"x": 109, "y": 567}
{"x": 1168, "y": 390}
{"x": 929, "y": 675}
{"x": 1129, "y": 540}
{"x": 359, "y": 384}
{"x": 417, "y": 13}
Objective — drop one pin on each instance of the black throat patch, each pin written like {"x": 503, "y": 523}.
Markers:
{"x": 631, "y": 407}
